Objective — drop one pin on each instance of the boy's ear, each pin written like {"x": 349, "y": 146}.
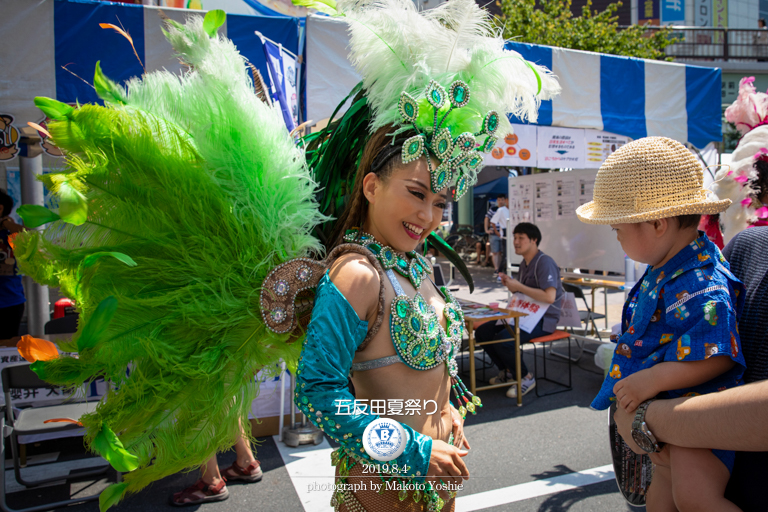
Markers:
{"x": 660, "y": 226}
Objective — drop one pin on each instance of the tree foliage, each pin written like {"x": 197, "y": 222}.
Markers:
{"x": 553, "y": 24}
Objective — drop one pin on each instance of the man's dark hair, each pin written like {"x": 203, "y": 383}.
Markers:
{"x": 7, "y": 203}
{"x": 501, "y": 195}
{"x": 688, "y": 221}
{"x": 529, "y": 230}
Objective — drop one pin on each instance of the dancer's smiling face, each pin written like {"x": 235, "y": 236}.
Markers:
{"x": 402, "y": 208}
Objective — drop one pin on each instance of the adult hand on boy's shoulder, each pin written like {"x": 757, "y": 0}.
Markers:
{"x": 633, "y": 390}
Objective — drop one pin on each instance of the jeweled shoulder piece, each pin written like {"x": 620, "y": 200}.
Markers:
{"x": 281, "y": 289}
{"x": 461, "y": 155}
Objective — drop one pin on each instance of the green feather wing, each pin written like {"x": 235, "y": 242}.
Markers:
{"x": 194, "y": 188}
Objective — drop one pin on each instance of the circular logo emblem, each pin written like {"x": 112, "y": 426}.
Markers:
{"x": 497, "y": 153}
{"x": 384, "y": 439}
{"x": 525, "y": 154}
{"x": 511, "y": 139}
{"x": 511, "y": 151}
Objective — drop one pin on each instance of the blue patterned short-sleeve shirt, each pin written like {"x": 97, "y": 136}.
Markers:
{"x": 683, "y": 311}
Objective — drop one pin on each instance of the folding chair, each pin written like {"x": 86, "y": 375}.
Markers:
{"x": 543, "y": 340}
{"x": 32, "y": 421}
{"x": 587, "y": 316}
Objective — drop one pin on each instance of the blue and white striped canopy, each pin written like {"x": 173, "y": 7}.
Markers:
{"x": 628, "y": 96}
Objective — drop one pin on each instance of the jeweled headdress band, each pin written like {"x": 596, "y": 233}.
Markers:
{"x": 460, "y": 156}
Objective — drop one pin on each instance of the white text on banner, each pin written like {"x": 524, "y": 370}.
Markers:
{"x": 560, "y": 148}
{"x": 599, "y": 145}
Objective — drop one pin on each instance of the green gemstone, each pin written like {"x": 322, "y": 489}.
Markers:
{"x": 459, "y": 93}
{"x": 403, "y": 494}
{"x": 402, "y": 263}
{"x": 402, "y": 309}
{"x": 436, "y": 96}
{"x": 403, "y": 346}
{"x": 463, "y": 411}
{"x": 416, "y": 495}
{"x": 374, "y": 247}
{"x": 432, "y": 327}
{"x": 476, "y": 400}
{"x": 416, "y": 350}
{"x": 493, "y": 123}
{"x": 409, "y": 110}
{"x": 441, "y": 178}
{"x": 413, "y": 148}
{"x": 474, "y": 161}
{"x": 416, "y": 324}
{"x": 442, "y": 146}
{"x": 304, "y": 400}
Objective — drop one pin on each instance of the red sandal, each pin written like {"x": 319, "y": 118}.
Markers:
{"x": 251, "y": 473}
{"x": 210, "y": 493}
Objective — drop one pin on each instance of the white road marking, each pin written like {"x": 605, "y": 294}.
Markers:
{"x": 311, "y": 473}
{"x": 534, "y": 489}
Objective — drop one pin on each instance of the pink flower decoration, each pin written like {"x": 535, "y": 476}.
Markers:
{"x": 762, "y": 212}
{"x": 746, "y": 202}
{"x": 741, "y": 179}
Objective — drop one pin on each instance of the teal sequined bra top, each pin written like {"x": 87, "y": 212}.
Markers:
{"x": 419, "y": 339}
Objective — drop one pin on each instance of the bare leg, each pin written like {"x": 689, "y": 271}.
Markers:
{"x": 659, "y": 497}
{"x": 496, "y": 260}
{"x": 478, "y": 246}
{"x": 698, "y": 481}
{"x": 210, "y": 472}
{"x": 244, "y": 453}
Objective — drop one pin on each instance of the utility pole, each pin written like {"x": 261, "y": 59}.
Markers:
{"x": 31, "y": 166}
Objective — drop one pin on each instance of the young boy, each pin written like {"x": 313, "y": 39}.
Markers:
{"x": 679, "y": 333}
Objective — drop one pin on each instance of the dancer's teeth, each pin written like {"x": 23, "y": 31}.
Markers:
{"x": 413, "y": 228}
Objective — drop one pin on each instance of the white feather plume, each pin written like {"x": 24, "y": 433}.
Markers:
{"x": 396, "y": 48}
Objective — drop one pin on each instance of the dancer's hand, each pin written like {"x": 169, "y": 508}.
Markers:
{"x": 446, "y": 464}
{"x": 458, "y": 429}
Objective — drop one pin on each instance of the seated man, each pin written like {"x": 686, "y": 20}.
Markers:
{"x": 539, "y": 279}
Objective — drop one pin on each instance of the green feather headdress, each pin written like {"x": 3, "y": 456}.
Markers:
{"x": 444, "y": 73}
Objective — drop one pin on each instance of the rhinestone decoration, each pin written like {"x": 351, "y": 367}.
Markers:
{"x": 491, "y": 122}
{"x": 278, "y": 314}
{"x": 412, "y": 148}
{"x": 459, "y": 94}
{"x": 304, "y": 274}
{"x": 409, "y": 108}
{"x": 453, "y": 154}
{"x": 281, "y": 288}
{"x": 436, "y": 94}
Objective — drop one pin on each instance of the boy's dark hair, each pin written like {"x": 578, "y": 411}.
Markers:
{"x": 529, "y": 230}
{"x": 7, "y": 203}
{"x": 688, "y": 221}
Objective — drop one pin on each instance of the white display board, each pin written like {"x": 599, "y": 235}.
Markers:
{"x": 550, "y": 200}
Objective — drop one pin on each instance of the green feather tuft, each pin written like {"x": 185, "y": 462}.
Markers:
{"x": 111, "y": 496}
{"x": 73, "y": 207}
{"x": 107, "y": 444}
{"x": 90, "y": 260}
{"x": 324, "y": 6}
{"x": 54, "y": 109}
{"x": 35, "y": 215}
{"x": 454, "y": 258}
{"x": 213, "y": 21}
{"x": 94, "y": 329}
{"x": 106, "y": 88}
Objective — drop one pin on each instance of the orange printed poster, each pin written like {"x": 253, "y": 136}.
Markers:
{"x": 515, "y": 149}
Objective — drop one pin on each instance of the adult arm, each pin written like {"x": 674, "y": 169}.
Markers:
{"x": 734, "y": 419}
{"x": 11, "y": 225}
{"x": 486, "y": 225}
{"x": 633, "y": 390}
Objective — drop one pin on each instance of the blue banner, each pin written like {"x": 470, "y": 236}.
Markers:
{"x": 276, "y": 76}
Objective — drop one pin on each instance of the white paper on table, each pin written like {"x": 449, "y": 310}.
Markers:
{"x": 534, "y": 310}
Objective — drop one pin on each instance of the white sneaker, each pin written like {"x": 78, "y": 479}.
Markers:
{"x": 528, "y": 385}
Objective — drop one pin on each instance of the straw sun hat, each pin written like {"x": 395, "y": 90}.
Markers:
{"x": 648, "y": 179}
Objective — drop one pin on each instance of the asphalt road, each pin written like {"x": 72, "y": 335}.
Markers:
{"x": 548, "y": 455}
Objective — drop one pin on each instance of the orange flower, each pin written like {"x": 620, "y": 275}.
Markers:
{"x": 35, "y": 349}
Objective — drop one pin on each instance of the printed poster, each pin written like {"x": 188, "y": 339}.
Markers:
{"x": 586, "y": 188}
{"x": 517, "y": 149}
{"x": 565, "y": 197}
{"x": 560, "y": 148}
{"x": 600, "y": 145}
{"x": 520, "y": 202}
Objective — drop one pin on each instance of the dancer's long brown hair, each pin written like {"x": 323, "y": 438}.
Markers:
{"x": 357, "y": 209}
